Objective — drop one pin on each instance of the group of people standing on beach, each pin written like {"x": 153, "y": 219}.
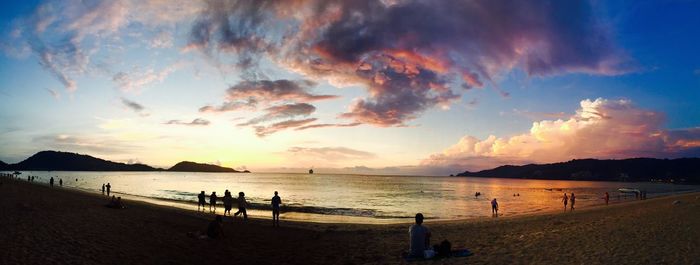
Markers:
{"x": 227, "y": 201}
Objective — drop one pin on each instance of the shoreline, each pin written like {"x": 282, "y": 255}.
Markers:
{"x": 39, "y": 224}
{"x": 359, "y": 215}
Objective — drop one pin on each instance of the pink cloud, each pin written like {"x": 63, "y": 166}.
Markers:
{"x": 412, "y": 55}
{"x": 600, "y": 129}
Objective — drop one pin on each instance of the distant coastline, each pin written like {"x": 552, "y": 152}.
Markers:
{"x": 681, "y": 170}
{"x": 65, "y": 161}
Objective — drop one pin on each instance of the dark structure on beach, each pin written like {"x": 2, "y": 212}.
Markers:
{"x": 681, "y": 170}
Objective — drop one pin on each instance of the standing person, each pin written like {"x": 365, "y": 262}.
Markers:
{"x": 276, "y": 201}
{"x": 202, "y": 201}
{"x": 228, "y": 202}
{"x": 494, "y": 207}
{"x": 242, "y": 203}
{"x": 607, "y": 198}
{"x": 60, "y": 182}
{"x": 565, "y": 199}
{"x": 51, "y": 182}
{"x": 212, "y": 201}
{"x": 573, "y": 200}
{"x": 109, "y": 188}
{"x": 103, "y": 189}
{"x": 419, "y": 237}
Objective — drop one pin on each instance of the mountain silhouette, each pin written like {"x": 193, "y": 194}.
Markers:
{"x": 64, "y": 161}
{"x": 681, "y": 170}
{"x": 187, "y": 166}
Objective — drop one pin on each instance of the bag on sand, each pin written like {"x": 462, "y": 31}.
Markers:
{"x": 445, "y": 248}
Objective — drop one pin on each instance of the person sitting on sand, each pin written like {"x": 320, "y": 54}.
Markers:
{"x": 212, "y": 202}
{"x": 228, "y": 202}
{"x": 276, "y": 201}
{"x": 573, "y": 200}
{"x": 202, "y": 201}
{"x": 419, "y": 238}
{"x": 242, "y": 203}
{"x": 109, "y": 187}
{"x": 565, "y": 199}
{"x": 494, "y": 207}
{"x": 216, "y": 229}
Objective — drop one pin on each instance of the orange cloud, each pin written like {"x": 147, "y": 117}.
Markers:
{"x": 600, "y": 129}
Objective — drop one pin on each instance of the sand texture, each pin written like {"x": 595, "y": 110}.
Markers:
{"x": 42, "y": 225}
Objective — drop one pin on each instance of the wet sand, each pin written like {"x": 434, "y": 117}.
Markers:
{"x": 39, "y": 224}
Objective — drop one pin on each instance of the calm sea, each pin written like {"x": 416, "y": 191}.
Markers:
{"x": 357, "y": 198}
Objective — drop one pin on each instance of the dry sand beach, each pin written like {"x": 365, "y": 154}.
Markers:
{"x": 42, "y": 225}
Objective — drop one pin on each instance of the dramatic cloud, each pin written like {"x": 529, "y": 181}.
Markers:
{"x": 411, "y": 55}
{"x": 195, "y": 122}
{"x": 282, "y": 112}
{"x": 250, "y": 93}
{"x": 65, "y": 35}
{"x": 262, "y": 131}
{"x": 329, "y": 153}
{"x": 599, "y": 129}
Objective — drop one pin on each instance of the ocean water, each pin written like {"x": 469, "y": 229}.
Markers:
{"x": 357, "y": 198}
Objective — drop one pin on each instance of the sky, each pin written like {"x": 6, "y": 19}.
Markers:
{"x": 383, "y": 87}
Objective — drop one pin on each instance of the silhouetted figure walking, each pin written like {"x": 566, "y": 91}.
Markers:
{"x": 242, "y": 203}
{"x": 573, "y": 200}
{"x": 109, "y": 188}
{"x": 103, "y": 189}
{"x": 51, "y": 182}
{"x": 60, "y": 182}
{"x": 212, "y": 201}
{"x": 276, "y": 201}
{"x": 565, "y": 199}
{"x": 494, "y": 207}
{"x": 202, "y": 201}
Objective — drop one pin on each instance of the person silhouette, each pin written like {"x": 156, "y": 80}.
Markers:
{"x": 60, "y": 182}
{"x": 242, "y": 204}
{"x": 565, "y": 199}
{"x": 276, "y": 201}
{"x": 202, "y": 201}
{"x": 607, "y": 198}
{"x": 109, "y": 188}
{"x": 228, "y": 202}
{"x": 494, "y": 207}
{"x": 573, "y": 200}
{"x": 51, "y": 182}
{"x": 212, "y": 201}
{"x": 103, "y": 189}
{"x": 419, "y": 237}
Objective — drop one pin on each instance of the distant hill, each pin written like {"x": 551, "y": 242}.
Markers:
{"x": 683, "y": 170}
{"x": 187, "y": 166}
{"x": 64, "y": 161}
